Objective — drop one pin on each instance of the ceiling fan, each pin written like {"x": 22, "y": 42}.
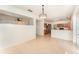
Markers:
{"x": 43, "y": 15}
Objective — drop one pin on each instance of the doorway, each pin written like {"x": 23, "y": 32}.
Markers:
{"x": 47, "y": 29}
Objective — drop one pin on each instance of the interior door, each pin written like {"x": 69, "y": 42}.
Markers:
{"x": 77, "y": 30}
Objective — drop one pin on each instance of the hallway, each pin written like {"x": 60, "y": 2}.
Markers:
{"x": 43, "y": 44}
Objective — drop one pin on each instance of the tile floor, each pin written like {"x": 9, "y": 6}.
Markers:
{"x": 43, "y": 45}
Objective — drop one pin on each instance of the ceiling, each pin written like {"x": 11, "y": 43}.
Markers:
{"x": 52, "y": 11}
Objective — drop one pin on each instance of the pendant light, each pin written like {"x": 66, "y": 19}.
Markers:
{"x": 43, "y": 15}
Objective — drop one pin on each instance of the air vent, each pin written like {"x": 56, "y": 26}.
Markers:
{"x": 29, "y": 10}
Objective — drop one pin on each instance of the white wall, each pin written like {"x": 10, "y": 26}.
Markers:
{"x": 11, "y": 34}
{"x": 74, "y": 18}
{"x": 40, "y": 27}
{"x": 76, "y": 29}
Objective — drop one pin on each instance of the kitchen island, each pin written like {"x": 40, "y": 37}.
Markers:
{"x": 62, "y": 34}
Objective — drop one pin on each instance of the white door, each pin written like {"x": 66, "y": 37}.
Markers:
{"x": 77, "y": 30}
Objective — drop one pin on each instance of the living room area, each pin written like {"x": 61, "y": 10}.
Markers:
{"x": 39, "y": 29}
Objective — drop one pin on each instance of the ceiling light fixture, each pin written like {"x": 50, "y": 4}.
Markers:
{"x": 29, "y": 10}
{"x": 43, "y": 15}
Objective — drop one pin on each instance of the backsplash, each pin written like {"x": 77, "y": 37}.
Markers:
{"x": 5, "y": 19}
